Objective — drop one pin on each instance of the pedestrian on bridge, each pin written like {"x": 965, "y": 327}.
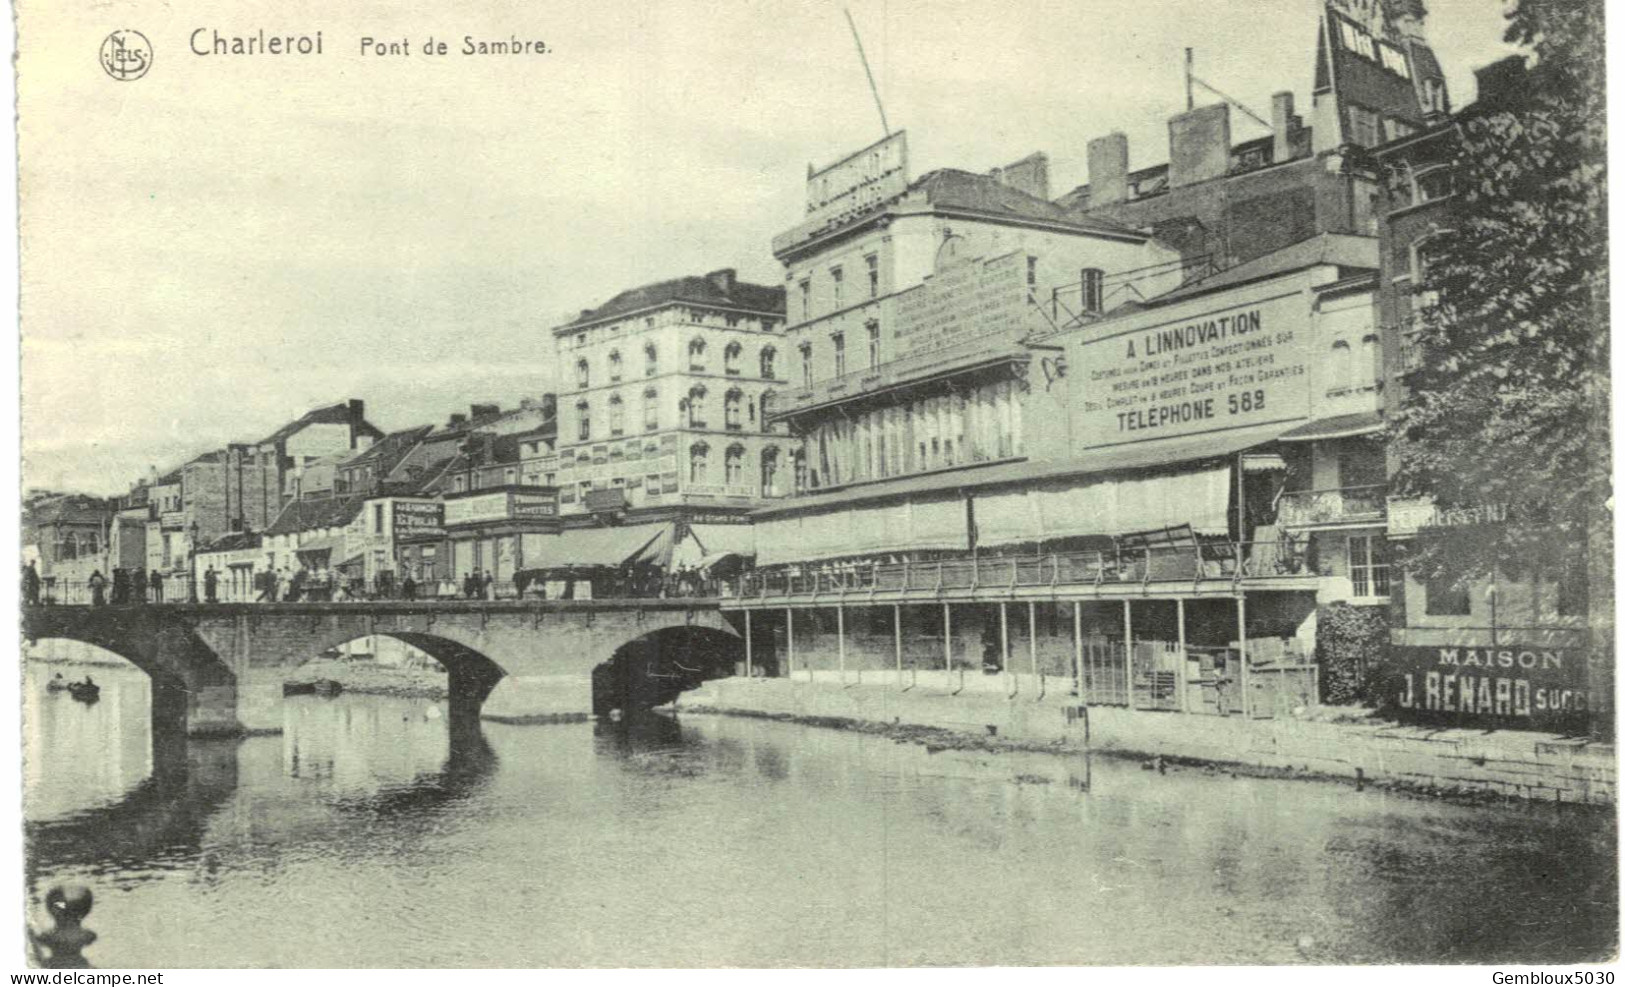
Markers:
{"x": 211, "y": 586}
{"x": 98, "y": 589}
{"x": 409, "y": 588}
{"x": 156, "y": 581}
{"x": 138, "y": 586}
{"x": 31, "y": 584}
{"x": 486, "y": 582}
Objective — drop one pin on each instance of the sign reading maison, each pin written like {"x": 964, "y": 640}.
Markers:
{"x": 1536, "y": 686}
{"x": 1158, "y": 374}
{"x": 962, "y": 301}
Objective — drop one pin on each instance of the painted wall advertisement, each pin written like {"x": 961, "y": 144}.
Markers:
{"x": 1508, "y": 685}
{"x": 962, "y": 301}
{"x": 418, "y": 519}
{"x": 1194, "y": 368}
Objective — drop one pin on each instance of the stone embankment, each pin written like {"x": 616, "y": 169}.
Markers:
{"x": 1030, "y": 714}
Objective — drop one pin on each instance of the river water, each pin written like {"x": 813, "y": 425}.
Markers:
{"x": 363, "y": 837}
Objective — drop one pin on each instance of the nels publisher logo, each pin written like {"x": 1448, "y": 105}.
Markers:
{"x": 126, "y": 55}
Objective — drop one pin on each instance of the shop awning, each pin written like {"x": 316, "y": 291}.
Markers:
{"x": 1336, "y": 427}
{"x": 1263, "y": 462}
{"x": 932, "y": 524}
{"x": 353, "y": 562}
{"x": 1197, "y": 496}
{"x": 738, "y": 539}
{"x": 611, "y": 547}
{"x": 319, "y": 546}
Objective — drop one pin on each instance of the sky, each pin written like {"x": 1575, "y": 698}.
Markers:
{"x": 227, "y": 242}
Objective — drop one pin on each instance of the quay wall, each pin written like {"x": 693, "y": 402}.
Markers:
{"x": 1042, "y": 710}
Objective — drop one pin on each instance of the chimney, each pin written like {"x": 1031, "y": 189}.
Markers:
{"x": 1286, "y": 124}
{"x": 478, "y": 411}
{"x": 1199, "y": 145}
{"x": 723, "y": 280}
{"x": 1029, "y": 175}
{"x": 358, "y": 411}
{"x": 1108, "y": 169}
{"x": 457, "y": 419}
{"x": 527, "y": 404}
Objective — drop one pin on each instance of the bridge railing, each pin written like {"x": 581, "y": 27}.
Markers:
{"x": 82, "y": 592}
{"x": 1159, "y": 563}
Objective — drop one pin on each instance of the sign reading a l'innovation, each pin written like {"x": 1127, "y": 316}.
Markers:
{"x": 1208, "y": 365}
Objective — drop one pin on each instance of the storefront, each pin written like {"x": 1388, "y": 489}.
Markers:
{"x": 493, "y": 531}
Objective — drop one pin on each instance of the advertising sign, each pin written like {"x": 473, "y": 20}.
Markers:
{"x": 851, "y": 186}
{"x": 418, "y": 519}
{"x": 1203, "y": 366}
{"x": 535, "y": 505}
{"x": 471, "y": 510}
{"x": 961, "y": 302}
{"x": 1529, "y": 686}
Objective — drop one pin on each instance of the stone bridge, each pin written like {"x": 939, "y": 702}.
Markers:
{"x": 218, "y": 669}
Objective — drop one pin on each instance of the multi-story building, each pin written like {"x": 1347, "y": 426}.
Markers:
{"x": 661, "y": 422}
{"x": 1514, "y": 648}
{"x": 245, "y": 486}
{"x": 1141, "y": 411}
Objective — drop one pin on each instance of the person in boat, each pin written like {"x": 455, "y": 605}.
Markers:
{"x": 58, "y": 683}
{"x": 89, "y": 682}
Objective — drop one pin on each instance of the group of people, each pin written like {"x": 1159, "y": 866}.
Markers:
{"x": 126, "y": 587}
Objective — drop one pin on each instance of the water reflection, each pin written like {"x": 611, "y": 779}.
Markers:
{"x": 373, "y": 833}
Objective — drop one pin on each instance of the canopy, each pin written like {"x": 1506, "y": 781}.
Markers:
{"x": 738, "y": 539}
{"x": 868, "y": 529}
{"x": 353, "y": 562}
{"x": 610, "y": 547}
{"x": 1197, "y": 496}
{"x": 317, "y": 546}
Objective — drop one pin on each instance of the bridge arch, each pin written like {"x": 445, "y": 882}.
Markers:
{"x": 653, "y": 668}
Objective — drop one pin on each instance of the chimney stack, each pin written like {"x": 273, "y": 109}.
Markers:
{"x": 1199, "y": 145}
{"x": 1108, "y": 170}
{"x": 478, "y": 411}
{"x": 1029, "y": 175}
{"x": 1286, "y": 124}
{"x": 723, "y": 280}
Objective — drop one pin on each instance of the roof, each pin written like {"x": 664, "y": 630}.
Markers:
{"x": 390, "y": 449}
{"x": 967, "y": 191}
{"x": 236, "y": 541}
{"x": 1340, "y": 249}
{"x": 73, "y": 509}
{"x": 1336, "y": 427}
{"x": 333, "y": 414}
{"x": 1136, "y": 456}
{"x": 694, "y": 290}
{"x": 307, "y": 515}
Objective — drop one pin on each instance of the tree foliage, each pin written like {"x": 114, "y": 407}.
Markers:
{"x": 1510, "y": 406}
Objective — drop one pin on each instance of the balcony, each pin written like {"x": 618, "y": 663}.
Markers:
{"x": 1344, "y": 506}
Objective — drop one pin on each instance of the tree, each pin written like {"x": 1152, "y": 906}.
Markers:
{"x": 1510, "y": 408}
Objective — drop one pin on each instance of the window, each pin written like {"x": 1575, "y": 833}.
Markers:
{"x": 806, "y": 365}
{"x": 697, "y": 462}
{"x": 1447, "y": 599}
{"x": 798, "y": 463}
{"x": 614, "y": 365}
{"x": 378, "y": 519}
{"x": 1573, "y": 593}
{"x": 730, "y": 410}
{"x": 874, "y": 343}
{"x": 1092, "y": 290}
{"x": 730, "y": 359}
{"x": 767, "y": 404}
{"x": 1370, "y": 366}
{"x": 806, "y": 300}
{"x": 651, "y": 410}
{"x": 1368, "y": 565}
{"x": 837, "y": 279}
{"x": 733, "y": 466}
{"x": 1032, "y": 273}
{"x": 1433, "y": 184}
{"x": 651, "y": 360}
{"x": 585, "y": 488}
{"x": 873, "y": 263}
{"x": 583, "y": 422}
{"x": 509, "y": 476}
{"x": 1394, "y": 60}
{"x": 617, "y": 416}
{"x": 770, "y": 472}
{"x": 1338, "y": 372}
{"x": 1364, "y": 128}
{"x": 696, "y": 354}
{"x": 696, "y": 407}
{"x": 1433, "y": 95}
{"x": 839, "y": 339}
{"x": 768, "y": 355}
{"x": 583, "y": 374}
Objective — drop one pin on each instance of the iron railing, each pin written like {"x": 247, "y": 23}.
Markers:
{"x": 1344, "y": 505}
{"x": 1186, "y": 563}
